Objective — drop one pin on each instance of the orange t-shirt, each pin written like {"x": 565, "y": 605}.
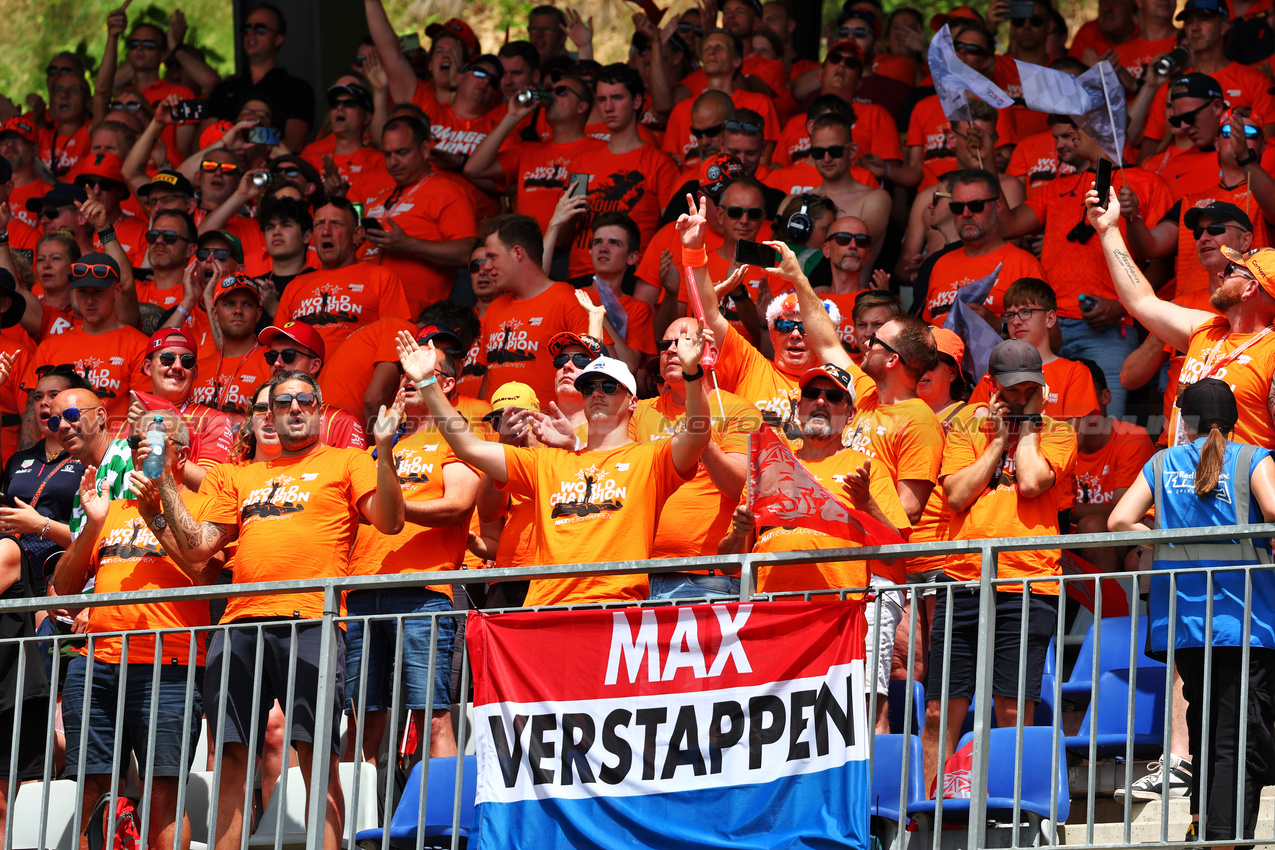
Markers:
{"x": 926, "y": 130}
{"x": 1035, "y": 162}
{"x": 437, "y": 209}
{"x": 248, "y": 231}
{"x": 61, "y": 153}
{"x": 228, "y": 384}
{"x": 638, "y": 183}
{"x": 1241, "y": 86}
{"x": 419, "y": 459}
{"x": 1136, "y": 53}
{"x": 304, "y": 506}
{"x": 1071, "y": 390}
{"x": 539, "y": 171}
{"x": 1192, "y": 288}
{"x": 337, "y": 302}
{"x": 1114, "y": 466}
{"x": 741, "y": 369}
{"x": 470, "y": 380}
{"x": 680, "y": 144}
{"x": 460, "y": 137}
{"x": 111, "y": 361}
{"x": 592, "y": 507}
{"x": 906, "y": 437}
{"x": 668, "y": 239}
{"x": 1250, "y": 375}
{"x": 845, "y": 327}
{"x": 54, "y": 321}
{"x": 874, "y": 131}
{"x": 364, "y": 169}
{"x": 999, "y": 511}
{"x": 349, "y": 367}
{"x": 1027, "y": 122}
{"x": 516, "y": 336}
{"x": 127, "y": 557}
{"x": 831, "y": 472}
{"x": 698, "y": 515}
{"x": 936, "y": 516}
{"x": 956, "y": 269}
{"x": 1189, "y": 171}
{"x": 1086, "y": 37}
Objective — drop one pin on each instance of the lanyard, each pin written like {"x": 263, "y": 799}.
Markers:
{"x": 1212, "y": 364}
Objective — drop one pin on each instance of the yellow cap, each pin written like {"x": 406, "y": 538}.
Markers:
{"x": 515, "y": 394}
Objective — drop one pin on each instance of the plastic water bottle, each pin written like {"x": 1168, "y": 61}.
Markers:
{"x": 153, "y": 465}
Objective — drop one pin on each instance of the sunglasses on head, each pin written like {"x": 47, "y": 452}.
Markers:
{"x": 289, "y": 356}
{"x": 609, "y": 386}
{"x": 848, "y": 60}
{"x": 145, "y": 43}
{"x": 98, "y": 270}
{"x": 972, "y": 49}
{"x": 747, "y": 127}
{"x": 258, "y": 28}
{"x": 976, "y": 207}
{"x": 170, "y": 237}
{"x": 223, "y": 167}
{"x": 833, "y": 396}
{"x": 578, "y": 359}
{"x": 842, "y": 238}
{"x": 1188, "y": 117}
{"x": 125, "y": 105}
{"x": 1037, "y": 21}
{"x": 787, "y": 326}
{"x": 834, "y": 151}
{"x": 71, "y": 415}
{"x": 715, "y": 130}
{"x": 753, "y": 213}
{"x": 1213, "y": 229}
{"x": 168, "y": 358}
{"x": 1250, "y": 132}
{"x": 218, "y": 254}
{"x": 53, "y": 212}
{"x": 284, "y": 400}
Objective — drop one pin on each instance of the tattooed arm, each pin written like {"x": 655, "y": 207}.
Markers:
{"x": 196, "y": 541}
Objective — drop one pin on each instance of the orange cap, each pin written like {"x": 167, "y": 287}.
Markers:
{"x": 950, "y": 344}
{"x": 937, "y": 22}
{"x": 1260, "y": 262}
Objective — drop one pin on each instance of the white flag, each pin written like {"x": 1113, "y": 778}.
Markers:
{"x": 1095, "y": 100}
{"x": 953, "y": 78}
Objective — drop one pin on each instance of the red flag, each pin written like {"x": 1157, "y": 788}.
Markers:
{"x": 655, "y": 13}
{"x": 783, "y": 492}
{"x": 1115, "y": 598}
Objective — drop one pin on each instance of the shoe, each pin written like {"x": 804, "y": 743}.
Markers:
{"x": 1191, "y": 832}
{"x": 1151, "y": 786}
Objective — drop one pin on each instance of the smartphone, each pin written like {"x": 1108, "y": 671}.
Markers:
{"x": 578, "y": 185}
{"x": 410, "y": 42}
{"x": 1021, "y": 8}
{"x": 371, "y": 224}
{"x": 189, "y": 110}
{"x": 755, "y": 254}
{"x": 1102, "y": 183}
{"x": 264, "y": 136}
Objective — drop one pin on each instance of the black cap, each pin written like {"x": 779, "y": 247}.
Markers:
{"x": 90, "y": 280}
{"x": 168, "y": 179}
{"x": 1213, "y": 7}
{"x": 307, "y": 170}
{"x": 17, "y": 306}
{"x": 1195, "y": 84}
{"x": 355, "y": 91}
{"x": 431, "y": 331}
{"x": 61, "y": 195}
{"x": 1208, "y": 400}
{"x": 1217, "y": 212}
{"x": 495, "y": 65}
{"x": 1016, "y": 361}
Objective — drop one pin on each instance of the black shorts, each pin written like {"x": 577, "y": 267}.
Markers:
{"x": 31, "y": 739}
{"x": 238, "y": 648}
{"x": 1042, "y": 620}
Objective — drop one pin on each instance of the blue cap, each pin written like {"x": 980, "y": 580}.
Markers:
{"x": 1213, "y": 7}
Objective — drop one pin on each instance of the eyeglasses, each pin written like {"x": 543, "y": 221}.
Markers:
{"x": 854, "y": 32}
{"x": 218, "y": 254}
{"x": 144, "y": 43}
{"x": 258, "y": 28}
{"x": 747, "y": 127}
{"x": 305, "y": 400}
{"x": 1023, "y": 315}
{"x": 170, "y": 237}
{"x": 168, "y": 358}
{"x": 71, "y": 415}
{"x": 1188, "y": 117}
{"x": 971, "y": 49}
{"x": 1250, "y": 132}
{"x": 578, "y": 360}
{"x": 787, "y": 326}
{"x": 690, "y": 29}
{"x": 98, "y": 270}
{"x": 876, "y": 340}
{"x": 97, "y": 183}
{"x": 475, "y": 266}
{"x": 715, "y": 130}
{"x": 976, "y": 207}
{"x": 835, "y": 151}
{"x": 753, "y": 213}
{"x": 1037, "y": 21}
{"x": 58, "y": 70}
{"x": 223, "y": 167}
{"x": 609, "y": 386}
{"x": 834, "y": 396}
{"x": 842, "y": 238}
{"x": 289, "y": 356}
{"x": 848, "y": 60}
{"x": 51, "y": 213}
{"x": 125, "y": 105}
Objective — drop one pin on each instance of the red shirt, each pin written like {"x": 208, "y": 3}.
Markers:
{"x": 926, "y": 130}
{"x": 684, "y": 147}
{"x": 60, "y": 152}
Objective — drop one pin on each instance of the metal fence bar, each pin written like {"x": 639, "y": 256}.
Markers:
{"x": 983, "y": 697}
{"x": 323, "y": 718}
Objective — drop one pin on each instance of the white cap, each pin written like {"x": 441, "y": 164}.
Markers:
{"x": 611, "y": 368}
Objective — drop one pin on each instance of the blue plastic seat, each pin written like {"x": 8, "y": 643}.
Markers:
{"x": 439, "y": 804}
{"x": 1042, "y": 716}
{"x": 889, "y": 798}
{"x": 1113, "y": 655}
{"x": 897, "y": 699}
{"x": 1107, "y": 715}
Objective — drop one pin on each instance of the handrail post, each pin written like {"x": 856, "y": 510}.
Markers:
{"x": 318, "y": 809}
{"x": 983, "y": 698}
{"x": 747, "y": 578}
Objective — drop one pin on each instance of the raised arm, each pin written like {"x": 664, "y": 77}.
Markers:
{"x": 126, "y": 308}
{"x": 384, "y": 508}
{"x": 964, "y": 486}
{"x": 1034, "y": 473}
{"x": 688, "y": 444}
{"x": 568, "y": 208}
{"x": 691, "y": 227}
{"x": 482, "y": 164}
{"x": 104, "y": 85}
{"x": 821, "y": 333}
{"x": 72, "y": 571}
{"x": 401, "y": 76}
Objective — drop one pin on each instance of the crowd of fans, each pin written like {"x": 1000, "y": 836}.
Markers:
{"x": 508, "y": 309}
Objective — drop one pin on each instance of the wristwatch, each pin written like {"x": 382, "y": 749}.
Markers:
{"x": 1247, "y": 161}
{"x": 158, "y": 522}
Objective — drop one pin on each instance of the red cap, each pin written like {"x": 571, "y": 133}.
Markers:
{"x": 299, "y": 332}
{"x": 22, "y": 125}
{"x": 458, "y": 28}
{"x": 235, "y": 282}
{"x": 214, "y": 133}
{"x": 718, "y": 170}
{"x": 101, "y": 164}
{"x": 847, "y": 46}
{"x": 174, "y": 337}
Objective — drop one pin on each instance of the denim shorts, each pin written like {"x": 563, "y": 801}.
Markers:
{"x": 172, "y": 721}
{"x": 692, "y": 586}
{"x": 380, "y": 638}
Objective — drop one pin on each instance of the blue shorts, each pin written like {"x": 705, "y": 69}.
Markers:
{"x": 692, "y": 586}
{"x": 380, "y": 639}
{"x": 173, "y": 722}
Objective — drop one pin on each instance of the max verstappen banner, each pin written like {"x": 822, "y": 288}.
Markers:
{"x": 708, "y": 726}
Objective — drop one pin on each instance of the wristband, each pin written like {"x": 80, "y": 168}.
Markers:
{"x": 47, "y": 522}
{"x": 106, "y": 234}
{"x": 180, "y": 309}
{"x": 1246, "y": 162}
{"x": 694, "y": 376}
{"x": 695, "y": 258}
{"x": 431, "y": 380}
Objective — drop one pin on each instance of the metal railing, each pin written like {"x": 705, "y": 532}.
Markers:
{"x": 748, "y": 564}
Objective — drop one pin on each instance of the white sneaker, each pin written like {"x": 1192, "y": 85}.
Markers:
{"x": 1151, "y": 786}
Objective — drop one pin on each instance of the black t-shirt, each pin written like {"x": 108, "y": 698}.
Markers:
{"x": 15, "y": 625}
{"x": 288, "y": 96}
{"x": 24, "y": 473}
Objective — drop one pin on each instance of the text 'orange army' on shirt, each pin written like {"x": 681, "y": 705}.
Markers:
{"x": 956, "y": 269}
{"x": 516, "y": 336}
{"x": 1214, "y": 352}
{"x": 419, "y": 459}
{"x": 831, "y": 472}
{"x": 1071, "y": 390}
{"x": 741, "y": 369}
{"x": 297, "y": 518}
{"x": 999, "y": 510}
{"x": 337, "y": 302}
{"x": 698, "y": 515}
{"x": 1113, "y": 467}
{"x": 111, "y": 361}
{"x": 592, "y": 507}
{"x": 127, "y": 557}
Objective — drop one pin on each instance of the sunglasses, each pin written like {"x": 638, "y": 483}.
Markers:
{"x": 168, "y": 358}
{"x": 475, "y": 266}
{"x": 854, "y": 32}
{"x": 358, "y": 61}
{"x": 1214, "y": 229}
{"x": 170, "y": 237}
{"x": 289, "y": 356}
{"x": 690, "y": 29}
{"x": 787, "y": 326}
{"x": 833, "y": 396}
{"x": 578, "y": 359}
{"x": 664, "y": 345}
{"x": 835, "y": 152}
{"x": 343, "y": 103}
{"x": 753, "y": 213}
{"x": 71, "y": 415}
{"x": 1023, "y": 315}
{"x": 98, "y": 270}
{"x": 483, "y": 73}
{"x": 284, "y": 400}
{"x": 259, "y": 29}
{"x": 876, "y": 340}
{"x": 218, "y": 254}
{"x": 51, "y": 213}
{"x": 609, "y": 386}
{"x": 1250, "y": 132}
{"x": 847, "y": 60}
{"x": 976, "y": 207}
{"x": 1188, "y": 117}
{"x": 223, "y": 167}
{"x": 97, "y": 183}
{"x": 1232, "y": 269}
{"x": 862, "y": 240}
{"x": 58, "y": 70}
{"x": 261, "y": 407}
{"x": 1037, "y": 21}
{"x": 715, "y": 130}
{"x": 125, "y": 105}
{"x": 564, "y": 90}
{"x": 289, "y": 172}
{"x": 144, "y": 43}
{"x": 747, "y": 127}
{"x": 971, "y": 49}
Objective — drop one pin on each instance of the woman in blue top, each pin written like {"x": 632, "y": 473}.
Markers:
{"x": 1212, "y": 482}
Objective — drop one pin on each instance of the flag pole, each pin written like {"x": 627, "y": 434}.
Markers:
{"x": 1111, "y": 116}
{"x": 706, "y": 362}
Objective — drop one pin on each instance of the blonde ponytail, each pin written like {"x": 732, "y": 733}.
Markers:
{"x": 1210, "y": 468}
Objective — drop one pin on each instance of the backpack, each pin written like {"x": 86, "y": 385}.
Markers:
{"x": 123, "y": 832}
